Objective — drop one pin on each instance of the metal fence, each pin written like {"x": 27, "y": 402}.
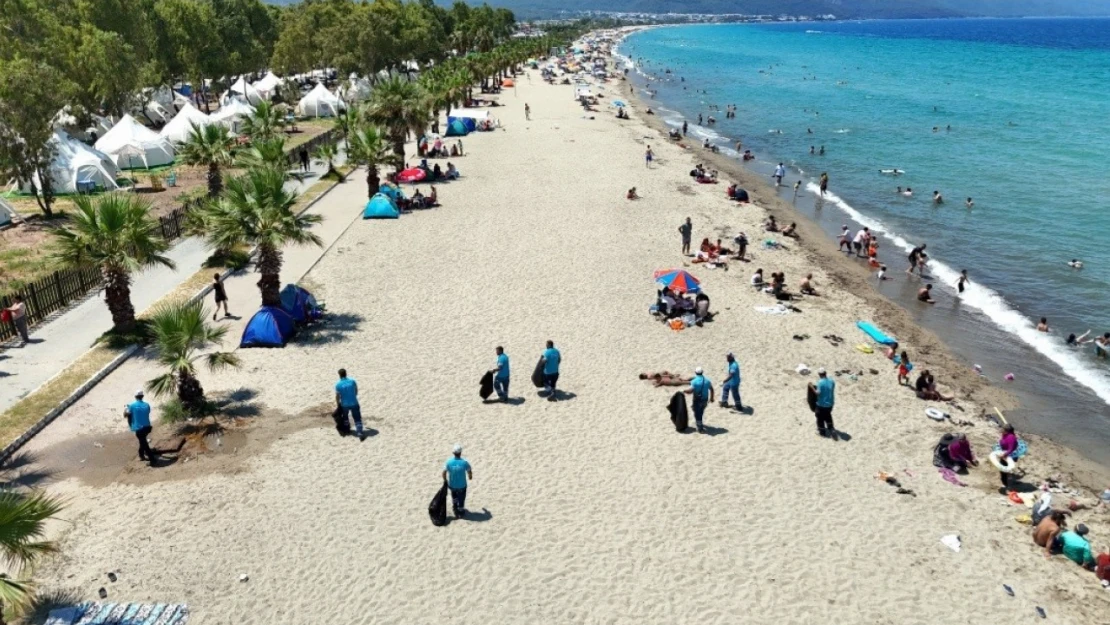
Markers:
{"x": 64, "y": 287}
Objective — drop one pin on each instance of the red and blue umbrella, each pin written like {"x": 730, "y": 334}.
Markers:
{"x": 678, "y": 280}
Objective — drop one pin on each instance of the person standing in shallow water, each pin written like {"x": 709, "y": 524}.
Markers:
{"x": 824, "y": 183}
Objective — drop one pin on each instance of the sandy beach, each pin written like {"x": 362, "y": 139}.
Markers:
{"x": 591, "y": 509}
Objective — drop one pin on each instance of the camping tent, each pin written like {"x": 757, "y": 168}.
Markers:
{"x": 299, "y": 303}
{"x": 391, "y": 191}
{"x": 457, "y": 127}
{"x": 380, "y": 207}
{"x": 320, "y": 103}
{"x": 7, "y": 213}
{"x": 242, "y": 90}
{"x": 74, "y": 161}
{"x": 269, "y": 327}
{"x": 131, "y": 144}
{"x": 177, "y": 131}
{"x": 232, "y": 113}
{"x": 475, "y": 114}
{"x": 355, "y": 89}
{"x": 266, "y": 85}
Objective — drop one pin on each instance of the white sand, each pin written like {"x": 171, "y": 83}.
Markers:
{"x": 598, "y": 512}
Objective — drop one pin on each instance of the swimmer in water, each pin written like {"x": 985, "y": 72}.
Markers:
{"x": 822, "y": 151}
{"x": 963, "y": 281}
{"x": 1076, "y": 341}
{"x": 809, "y": 131}
{"x": 898, "y": 190}
{"x": 924, "y": 295}
{"x": 1075, "y": 264}
{"x": 812, "y": 149}
{"x": 797, "y": 185}
{"x": 1043, "y": 325}
{"x": 935, "y": 129}
{"x": 908, "y": 192}
{"x": 969, "y": 203}
{"x": 938, "y": 198}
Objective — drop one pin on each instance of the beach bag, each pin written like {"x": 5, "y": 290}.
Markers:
{"x": 437, "y": 510}
{"x": 342, "y": 424}
{"x": 537, "y": 375}
{"x": 6, "y": 315}
{"x": 679, "y": 417}
{"x": 486, "y": 386}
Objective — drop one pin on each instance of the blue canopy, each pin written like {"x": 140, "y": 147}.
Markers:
{"x": 457, "y": 127}
{"x": 299, "y": 303}
{"x": 380, "y": 206}
{"x": 269, "y": 327}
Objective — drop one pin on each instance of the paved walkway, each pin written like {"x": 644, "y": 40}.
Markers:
{"x": 58, "y": 343}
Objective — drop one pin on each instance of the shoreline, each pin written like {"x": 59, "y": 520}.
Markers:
{"x": 954, "y": 373}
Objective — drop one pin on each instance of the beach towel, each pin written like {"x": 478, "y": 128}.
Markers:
{"x": 437, "y": 510}
{"x": 773, "y": 310}
{"x": 486, "y": 386}
{"x": 679, "y": 417}
{"x": 537, "y": 375}
{"x": 876, "y": 334}
{"x": 92, "y": 613}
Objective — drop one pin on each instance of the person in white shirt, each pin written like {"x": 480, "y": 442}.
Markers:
{"x": 845, "y": 239}
{"x": 780, "y": 171}
{"x": 757, "y": 278}
{"x": 18, "y": 312}
{"x": 863, "y": 237}
{"x": 881, "y": 274}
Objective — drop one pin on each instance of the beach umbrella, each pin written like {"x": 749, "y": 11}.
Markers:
{"x": 618, "y": 103}
{"x": 678, "y": 280}
{"x": 413, "y": 174}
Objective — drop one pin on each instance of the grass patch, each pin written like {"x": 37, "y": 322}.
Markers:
{"x": 235, "y": 260}
{"x": 139, "y": 334}
{"x": 27, "y": 411}
{"x": 308, "y": 129}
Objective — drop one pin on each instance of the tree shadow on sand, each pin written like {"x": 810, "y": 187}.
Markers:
{"x": 44, "y": 602}
{"x": 333, "y": 328}
{"x": 22, "y": 470}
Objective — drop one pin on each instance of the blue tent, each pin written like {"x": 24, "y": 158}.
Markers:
{"x": 392, "y": 192}
{"x": 380, "y": 206}
{"x": 299, "y": 303}
{"x": 457, "y": 127}
{"x": 269, "y": 327}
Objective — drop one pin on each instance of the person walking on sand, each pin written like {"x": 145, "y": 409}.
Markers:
{"x": 346, "y": 396}
{"x": 780, "y": 171}
{"x": 456, "y": 472}
{"x": 824, "y": 183}
{"x": 18, "y": 312}
{"x": 138, "y": 419}
{"x": 825, "y": 389}
{"x": 686, "y": 229}
{"x": 220, "y": 294}
{"x": 551, "y": 360}
{"x": 527, "y": 112}
{"x": 702, "y": 390}
{"x": 1007, "y": 446}
{"x": 731, "y": 383}
{"x": 963, "y": 281}
{"x": 501, "y": 374}
{"x": 648, "y": 156}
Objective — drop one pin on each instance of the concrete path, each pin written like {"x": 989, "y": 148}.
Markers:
{"x": 61, "y": 341}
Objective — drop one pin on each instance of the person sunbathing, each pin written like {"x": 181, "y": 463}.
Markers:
{"x": 666, "y": 378}
{"x": 757, "y": 278}
{"x": 701, "y": 308}
{"x": 632, "y": 194}
{"x": 926, "y": 388}
{"x": 790, "y": 231}
{"x": 806, "y": 287}
{"x": 433, "y": 197}
{"x": 451, "y": 173}
{"x": 723, "y": 251}
{"x": 771, "y": 225}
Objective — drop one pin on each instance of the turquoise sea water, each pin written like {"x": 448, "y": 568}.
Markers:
{"x": 1026, "y": 102}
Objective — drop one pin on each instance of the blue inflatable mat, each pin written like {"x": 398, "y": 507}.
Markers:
{"x": 875, "y": 333}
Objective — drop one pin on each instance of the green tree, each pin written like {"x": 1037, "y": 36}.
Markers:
{"x": 367, "y": 147}
{"x": 265, "y": 153}
{"x": 181, "y": 334}
{"x": 31, "y": 94}
{"x": 326, "y": 154}
{"x": 116, "y": 233}
{"x": 267, "y": 122}
{"x": 257, "y": 210}
{"x": 399, "y": 107}
{"x": 23, "y": 520}
{"x": 209, "y": 146}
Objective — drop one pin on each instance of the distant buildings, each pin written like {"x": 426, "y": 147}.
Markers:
{"x": 680, "y": 18}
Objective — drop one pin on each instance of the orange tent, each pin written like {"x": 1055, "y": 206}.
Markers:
{"x": 508, "y": 82}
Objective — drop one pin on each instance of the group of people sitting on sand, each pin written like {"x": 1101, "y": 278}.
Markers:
{"x": 436, "y": 173}
{"x": 709, "y": 146}
{"x": 419, "y": 200}
{"x": 437, "y": 148}
{"x": 671, "y": 304}
{"x": 703, "y": 175}
{"x": 621, "y": 114}
{"x": 1052, "y": 534}
{"x": 770, "y": 225}
{"x": 712, "y": 255}
{"x": 925, "y": 387}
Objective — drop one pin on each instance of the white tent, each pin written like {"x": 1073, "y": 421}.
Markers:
{"x": 177, "y": 131}
{"x": 242, "y": 89}
{"x": 232, "y": 113}
{"x": 131, "y": 144}
{"x": 266, "y": 85}
{"x": 320, "y": 103}
{"x": 73, "y": 162}
{"x": 7, "y": 213}
{"x": 355, "y": 89}
{"x": 476, "y": 114}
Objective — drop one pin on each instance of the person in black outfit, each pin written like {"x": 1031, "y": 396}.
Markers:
{"x": 221, "y": 296}
{"x": 303, "y": 154}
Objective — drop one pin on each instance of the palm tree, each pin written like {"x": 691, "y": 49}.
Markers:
{"x": 117, "y": 233}
{"x": 267, "y": 122}
{"x": 257, "y": 210}
{"x": 22, "y": 526}
{"x": 209, "y": 146}
{"x": 345, "y": 121}
{"x": 326, "y": 154}
{"x": 367, "y": 147}
{"x": 399, "y": 107}
{"x": 180, "y": 331}
{"x": 264, "y": 153}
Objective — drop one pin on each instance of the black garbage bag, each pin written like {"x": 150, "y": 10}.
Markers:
{"x": 438, "y": 508}
{"x": 486, "y": 386}
{"x": 679, "y": 417}
{"x": 342, "y": 423}
{"x": 537, "y": 375}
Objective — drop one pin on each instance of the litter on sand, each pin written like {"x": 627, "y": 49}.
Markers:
{"x": 952, "y": 541}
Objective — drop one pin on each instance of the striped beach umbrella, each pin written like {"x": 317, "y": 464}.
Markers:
{"x": 678, "y": 280}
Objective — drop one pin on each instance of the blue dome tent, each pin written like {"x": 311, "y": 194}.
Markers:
{"x": 269, "y": 327}
{"x": 380, "y": 206}
{"x": 457, "y": 127}
{"x": 391, "y": 191}
{"x": 299, "y": 303}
